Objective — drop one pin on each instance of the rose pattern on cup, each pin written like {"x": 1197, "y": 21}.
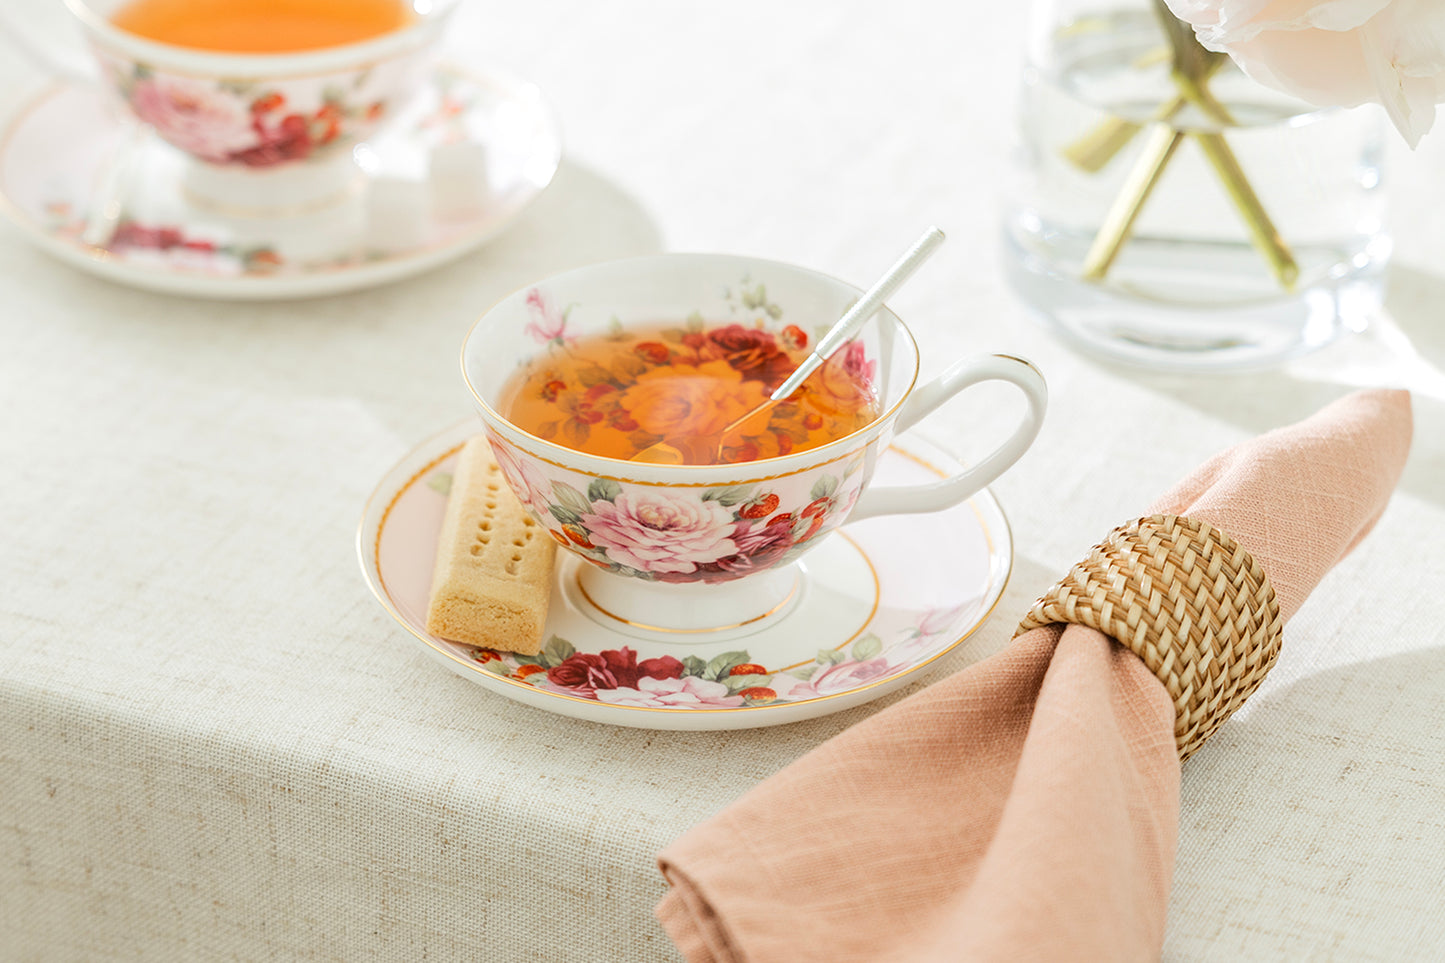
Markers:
{"x": 727, "y": 681}
{"x": 673, "y": 535}
{"x": 699, "y": 541}
{"x": 663, "y": 534}
{"x": 733, "y": 363}
{"x": 168, "y": 243}
{"x": 175, "y": 246}
{"x": 249, "y": 124}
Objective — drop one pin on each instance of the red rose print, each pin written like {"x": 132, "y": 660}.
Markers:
{"x": 611, "y": 669}
{"x": 753, "y": 352}
{"x": 653, "y": 351}
{"x": 747, "y": 451}
{"x": 288, "y": 140}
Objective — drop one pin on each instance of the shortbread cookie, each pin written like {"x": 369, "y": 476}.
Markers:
{"x": 493, "y": 575}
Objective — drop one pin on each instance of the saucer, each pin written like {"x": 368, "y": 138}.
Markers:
{"x": 471, "y": 152}
{"x": 879, "y": 602}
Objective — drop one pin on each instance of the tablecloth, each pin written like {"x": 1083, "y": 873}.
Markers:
{"x": 218, "y": 746}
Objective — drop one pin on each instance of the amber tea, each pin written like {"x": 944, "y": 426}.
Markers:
{"x": 617, "y": 394}
{"x": 261, "y": 26}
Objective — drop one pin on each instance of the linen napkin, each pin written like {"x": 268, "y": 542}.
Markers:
{"x": 1027, "y": 806}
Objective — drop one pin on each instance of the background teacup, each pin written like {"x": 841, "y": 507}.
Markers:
{"x": 690, "y": 547}
{"x": 267, "y": 134}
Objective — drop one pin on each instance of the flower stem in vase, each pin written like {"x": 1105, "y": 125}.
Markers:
{"x": 1261, "y": 229}
{"x": 1119, "y": 222}
{"x": 1193, "y": 65}
{"x": 1216, "y": 150}
{"x": 1092, "y": 152}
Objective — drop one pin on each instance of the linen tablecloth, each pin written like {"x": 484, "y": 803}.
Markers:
{"x": 217, "y": 745}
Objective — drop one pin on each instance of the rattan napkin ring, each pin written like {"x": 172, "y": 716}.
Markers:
{"x": 1188, "y": 600}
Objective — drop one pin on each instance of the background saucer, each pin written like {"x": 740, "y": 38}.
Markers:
{"x": 937, "y": 578}
{"x": 466, "y": 158}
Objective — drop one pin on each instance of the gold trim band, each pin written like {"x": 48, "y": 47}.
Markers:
{"x": 670, "y": 631}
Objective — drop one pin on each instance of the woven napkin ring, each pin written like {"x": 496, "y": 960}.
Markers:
{"x": 1188, "y": 600}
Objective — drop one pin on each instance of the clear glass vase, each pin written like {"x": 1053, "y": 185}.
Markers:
{"x": 1230, "y": 229}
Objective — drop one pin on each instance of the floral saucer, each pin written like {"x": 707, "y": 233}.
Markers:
{"x": 877, "y": 603}
{"x": 108, "y": 196}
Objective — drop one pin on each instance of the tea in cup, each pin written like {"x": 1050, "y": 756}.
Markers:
{"x": 577, "y": 376}
{"x": 266, "y": 99}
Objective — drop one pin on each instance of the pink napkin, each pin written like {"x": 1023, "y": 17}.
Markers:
{"x": 1025, "y": 807}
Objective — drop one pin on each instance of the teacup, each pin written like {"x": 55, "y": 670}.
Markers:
{"x": 269, "y": 134}
{"x": 684, "y": 547}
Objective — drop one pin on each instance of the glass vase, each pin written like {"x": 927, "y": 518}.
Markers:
{"x": 1172, "y": 213}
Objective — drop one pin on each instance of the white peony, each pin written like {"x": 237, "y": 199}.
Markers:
{"x": 1335, "y": 52}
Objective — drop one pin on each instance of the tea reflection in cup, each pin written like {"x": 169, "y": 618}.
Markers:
{"x": 683, "y": 546}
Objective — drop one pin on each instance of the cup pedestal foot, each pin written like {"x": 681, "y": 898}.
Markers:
{"x": 287, "y": 190}
{"x": 707, "y": 612}
{"x": 831, "y": 593}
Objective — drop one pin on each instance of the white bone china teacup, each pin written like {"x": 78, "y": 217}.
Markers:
{"x": 687, "y": 547}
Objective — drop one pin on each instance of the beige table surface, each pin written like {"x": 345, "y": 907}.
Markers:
{"x": 215, "y": 745}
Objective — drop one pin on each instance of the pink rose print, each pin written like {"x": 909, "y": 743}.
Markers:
{"x": 526, "y": 480}
{"x": 655, "y": 531}
{"x": 195, "y": 116}
{"x": 941, "y": 620}
{"x": 849, "y": 376}
{"x": 759, "y": 547}
{"x": 548, "y": 325}
{"x": 688, "y": 692}
{"x": 832, "y": 679}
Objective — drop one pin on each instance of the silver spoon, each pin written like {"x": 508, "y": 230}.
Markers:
{"x": 838, "y": 335}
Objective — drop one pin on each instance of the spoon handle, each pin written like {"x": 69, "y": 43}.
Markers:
{"x": 866, "y": 306}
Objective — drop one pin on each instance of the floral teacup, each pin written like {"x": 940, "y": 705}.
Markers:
{"x": 686, "y": 547}
{"x": 268, "y": 135}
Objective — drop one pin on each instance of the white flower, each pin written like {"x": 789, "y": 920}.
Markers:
{"x": 1335, "y": 52}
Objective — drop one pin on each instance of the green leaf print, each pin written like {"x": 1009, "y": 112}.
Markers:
{"x": 571, "y": 499}
{"x": 557, "y": 650}
{"x": 824, "y": 487}
{"x": 603, "y": 490}
{"x": 730, "y": 496}
{"x": 720, "y": 665}
{"x": 867, "y": 647}
{"x": 564, "y": 515}
{"x": 737, "y": 683}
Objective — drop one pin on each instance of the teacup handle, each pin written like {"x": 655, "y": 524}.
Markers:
{"x": 908, "y": 499}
